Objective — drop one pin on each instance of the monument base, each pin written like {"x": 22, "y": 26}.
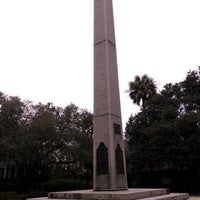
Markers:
{"x": 130, "y": 194}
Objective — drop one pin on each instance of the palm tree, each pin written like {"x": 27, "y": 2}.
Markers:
{"x": 141, "y": 89}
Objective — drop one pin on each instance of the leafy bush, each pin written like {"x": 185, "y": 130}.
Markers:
{"x": 64, "y": 184}
{"x": 58, "y": 185}
{"x": 8, "y": 195}
{"x": 8, "y": 185}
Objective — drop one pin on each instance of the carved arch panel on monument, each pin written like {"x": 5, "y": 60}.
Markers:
{"x": 102, "y": 159}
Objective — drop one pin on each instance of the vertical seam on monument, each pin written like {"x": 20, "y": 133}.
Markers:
{"x": 108, "y": 89}
{"x": 107, "y": 62}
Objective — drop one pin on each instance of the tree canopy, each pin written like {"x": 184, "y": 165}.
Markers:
{"x": 165, "y": 134}
{"x": 141, "y": 89}
{"x": 36, "y": 138}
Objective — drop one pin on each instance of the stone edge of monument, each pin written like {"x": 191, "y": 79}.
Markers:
{"x": 103, "y": 195}
{"x": 131, "y": 194}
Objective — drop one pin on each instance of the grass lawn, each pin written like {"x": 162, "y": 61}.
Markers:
{"x": 10, "y": 195}
{"x": 15, "y": 196}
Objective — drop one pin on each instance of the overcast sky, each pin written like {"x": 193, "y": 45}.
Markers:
{"x": 46, "y": 47}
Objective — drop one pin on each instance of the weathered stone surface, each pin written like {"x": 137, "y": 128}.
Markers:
{"x": 130, "y": 194}
{"x": 171, "y": 196}
{"x": 111, "y": 174}
{"x": 103, "y": 21}
{"x": 109, "y": 195}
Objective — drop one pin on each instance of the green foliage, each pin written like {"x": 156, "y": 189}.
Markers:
{"x": 165, "y": 135}
{"x": 58, "y": 185}
{"x": 38, "y": 139}
{"x": 8, "y": 185}
{"x": 141, "y": 89}
{"x": 191, "y": 90}
{"x": 8, "y": 195}
{"x": 63, "y": 184}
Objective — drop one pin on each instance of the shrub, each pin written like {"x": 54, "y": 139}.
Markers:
{"x": 58, "y": 185}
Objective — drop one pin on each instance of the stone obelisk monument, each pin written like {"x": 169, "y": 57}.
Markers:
{"x": 110, "y": 180}
{"x": 109, "y": 158}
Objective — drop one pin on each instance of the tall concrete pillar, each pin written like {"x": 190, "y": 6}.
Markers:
{"x": 109, "y": 158}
